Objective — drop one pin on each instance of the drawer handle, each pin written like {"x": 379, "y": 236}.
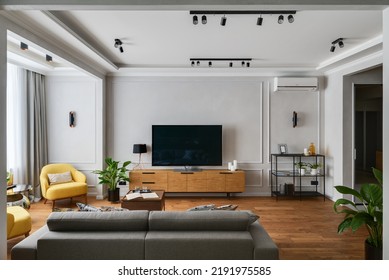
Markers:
{"x": 226, "y": 173}
{"x": 148, "y": 172}
{"x": 149, "y": 183}
{"x": 186, "y": 172}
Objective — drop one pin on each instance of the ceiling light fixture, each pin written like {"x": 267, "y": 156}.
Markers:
{"x": 260, "y": 21}
{"x": 338, "y": 41}
{"x": 245, "y": 61}
{"x": 23, "y": 46}
{"x": 204, "y": 19}
{"x": 195, "y": 20}
{"x": 118, "y": 44}
{"x": 223, "y": 21}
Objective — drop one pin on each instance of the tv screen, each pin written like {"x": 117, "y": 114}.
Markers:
{"x": 186, "y": 145}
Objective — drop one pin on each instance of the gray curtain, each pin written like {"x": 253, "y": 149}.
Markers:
{"x": 36, "y": 130}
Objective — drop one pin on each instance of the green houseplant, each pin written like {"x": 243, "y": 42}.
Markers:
{"x": 314, "y": 167}
{"x": 370, "y": 214}
{"x": 301, "y": 166}
{"x": 112, "y": 175}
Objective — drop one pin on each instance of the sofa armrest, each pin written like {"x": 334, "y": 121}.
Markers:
{"x": 78, "y": 176}
{"x": 264, "y": 246}
{"x": 27, "y": 248}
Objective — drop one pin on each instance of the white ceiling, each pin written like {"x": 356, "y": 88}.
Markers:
{"x": 168, "y": 39}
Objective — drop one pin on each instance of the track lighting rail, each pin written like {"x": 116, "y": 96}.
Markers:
{"x": 243, "y": 12}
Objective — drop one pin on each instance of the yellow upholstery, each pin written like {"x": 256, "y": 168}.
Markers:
{"x": 18, "y": 221}
{"x": 77, "y": 187}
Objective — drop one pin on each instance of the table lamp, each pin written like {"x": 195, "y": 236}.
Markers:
{"x": 139, "y": 149}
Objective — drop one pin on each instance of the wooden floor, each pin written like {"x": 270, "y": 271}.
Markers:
{"x": 303, "y": 230}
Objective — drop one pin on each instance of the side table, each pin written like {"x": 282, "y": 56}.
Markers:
{"x": 141, "y": 203}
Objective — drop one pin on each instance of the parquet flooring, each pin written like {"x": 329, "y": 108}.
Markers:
{"x": 303, "y": 230}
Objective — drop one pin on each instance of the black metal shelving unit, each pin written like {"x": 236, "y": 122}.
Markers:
{"x": 301, "y": 188}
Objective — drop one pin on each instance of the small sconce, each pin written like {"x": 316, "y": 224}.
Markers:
{"x": 72, "y": 116}
{"x": 294, "y": 119}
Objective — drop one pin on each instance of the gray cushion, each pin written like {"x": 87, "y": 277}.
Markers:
{"x": 199, "y": 220}
{"x": 198, "y": 245}
{"x": 98, "y": 221}
{"x": 118, "y": 245}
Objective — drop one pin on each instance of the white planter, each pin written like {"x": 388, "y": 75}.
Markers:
{"x": 302, "y": 171}
{"x": 313, "y": 171}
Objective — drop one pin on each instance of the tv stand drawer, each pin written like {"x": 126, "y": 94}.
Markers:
{"x": 209, "y": 180}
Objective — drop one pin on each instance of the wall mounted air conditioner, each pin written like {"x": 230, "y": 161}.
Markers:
{"x": 296, "y": 84}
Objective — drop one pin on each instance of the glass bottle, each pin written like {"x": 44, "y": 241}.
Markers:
{"x": 312, "y": 149}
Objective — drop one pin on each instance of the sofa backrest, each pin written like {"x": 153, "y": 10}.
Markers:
{"x": 99, "y": 221}
{"x": 200, "y": 220}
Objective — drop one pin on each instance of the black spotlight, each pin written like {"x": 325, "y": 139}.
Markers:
{"x": 248, "y": 64}
{"x": 341, "y": 44}
{"x": 210, "y": 63}
{"x": 223, "y": 21}
{"x": 23, "y": 46}
{"x": 118, "y": 44}
{"x": 332, "y": 48}
{"x": 193, "y": 63}
{"x": 290, "y": 19}
{"x": 259, "y": 21}
{"x": 281, "y": 19}
{"x": 198, "y": 62}
{"x": 204, "y": 19}
{"x": 195, "y": 20}
{"x": 243, "y": 63}
{"x": 49, "y": 58}
{"x": 231, "y": 64}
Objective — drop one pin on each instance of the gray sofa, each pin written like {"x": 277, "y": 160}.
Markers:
{"x": 154, "y": 235}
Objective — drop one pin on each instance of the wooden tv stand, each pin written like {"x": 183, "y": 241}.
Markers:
{"x": 205, "y": 181}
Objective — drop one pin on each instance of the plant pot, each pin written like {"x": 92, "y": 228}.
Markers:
{"x": 372, "y": 253}
{"x": 313, "y": 171}
{"x": 114, "y": 195}
{"x": 302, "y": 171}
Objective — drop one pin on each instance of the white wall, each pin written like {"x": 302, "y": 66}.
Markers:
{"x": 386, "y": 130}
{"x": 3, "y": 138}
{"x": 245, "y": 106}
{"x": 82, "y": 144}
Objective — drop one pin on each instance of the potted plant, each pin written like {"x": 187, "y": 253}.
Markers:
{"x": 112, "y": 175}
{"x": 314, "y": 167}
{"x": 301, "y": 166}
{"x": 369, "y": 214}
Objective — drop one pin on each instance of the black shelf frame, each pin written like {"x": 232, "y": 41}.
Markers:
{"x": 294, "y": 173}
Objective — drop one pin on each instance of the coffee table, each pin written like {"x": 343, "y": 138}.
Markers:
{"x": 141, "y": 203}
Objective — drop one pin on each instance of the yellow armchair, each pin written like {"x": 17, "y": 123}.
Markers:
{"x": 57, "y": 183}
{"x": 18, "y": 222}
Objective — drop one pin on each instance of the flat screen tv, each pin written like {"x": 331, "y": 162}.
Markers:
{"x": 186, "y": 145}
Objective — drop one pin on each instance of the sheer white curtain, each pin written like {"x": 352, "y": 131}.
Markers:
{"x": 26, "y": 126}
{"x": 16, "y": 124}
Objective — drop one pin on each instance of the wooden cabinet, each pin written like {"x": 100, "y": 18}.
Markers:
{"x": 203, "y": 181}
{"x": 153, "y": 179}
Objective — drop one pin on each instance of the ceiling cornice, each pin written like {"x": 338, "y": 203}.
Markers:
{"x": 80, "y": 38}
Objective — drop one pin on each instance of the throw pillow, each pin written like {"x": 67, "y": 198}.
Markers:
{"x": 87, "y": 207}
{"x": 59, "y": 178}
{"x": 202, "y": 207}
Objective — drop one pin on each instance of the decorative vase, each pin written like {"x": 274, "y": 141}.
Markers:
{"x": 114, "y": 195}
{"x": 372, "y": 253}
{"x": 313, "y": 171}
